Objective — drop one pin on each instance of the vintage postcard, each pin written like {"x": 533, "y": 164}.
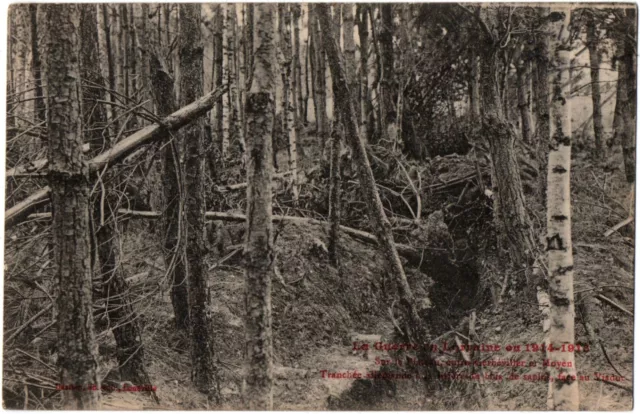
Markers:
{"x": 319, "y": 206}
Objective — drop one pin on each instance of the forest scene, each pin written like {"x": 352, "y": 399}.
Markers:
{"x": 314, "y": 206}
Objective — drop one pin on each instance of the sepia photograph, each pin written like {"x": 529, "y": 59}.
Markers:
{"x": 319, "y": 206}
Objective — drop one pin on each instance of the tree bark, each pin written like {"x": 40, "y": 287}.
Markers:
{"x": 173, "y": 223}
{"x": 512, "y": 222}
{"x": 69, "y": 181}
{"x": 415, "y": 328}
{"x": 36, "y": 64}
{"x": 120, "y": 313}
{"x": 474, "y": 89}
{"x": 258, "y": 392}
{"x": 288, "y": 96}
{"x": 388, "y": 84}
{"x": 594, "y": 60}
{"x": 319, "y": 79}
{"x": 350, "y": 52}
{"x": 334, "y": 195}
{"x": 366, "y": 107}
{"x": 191, "y": 87}
{"x": 524, "y": 97}
{"x": 559, "y": 247}
{"x": 628, "y": 95}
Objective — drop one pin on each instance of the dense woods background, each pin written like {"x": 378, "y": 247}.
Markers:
{"x": 212, "y": 204}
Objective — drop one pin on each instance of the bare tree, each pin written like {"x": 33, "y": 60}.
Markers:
{"x": 69, "y": 182}
{"x": 258, "y": 393}
{"x": 191, "y": 87}
{"x": 594, "y": 61}
{"x": 559, "y": 246}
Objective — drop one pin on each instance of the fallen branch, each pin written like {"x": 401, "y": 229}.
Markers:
{"x": 173, "y": 122}
{"x": 404, "y": 250}
{"x": 240, "y": 186}
{"x": 614, "y": 304}
{"x": 29, "y": 322}
{"x": 618, "y": 226}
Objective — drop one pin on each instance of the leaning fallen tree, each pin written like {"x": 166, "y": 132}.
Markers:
{"x": 153, "y": 132}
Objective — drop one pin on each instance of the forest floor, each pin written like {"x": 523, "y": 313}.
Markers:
{"x": 319, "y": 311}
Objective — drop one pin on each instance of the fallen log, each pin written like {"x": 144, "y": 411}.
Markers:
{"x": 173, "y": 122}
{"x": 240, "y": 186}
{"x": 404, "y": 249}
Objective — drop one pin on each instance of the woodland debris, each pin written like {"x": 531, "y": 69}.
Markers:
{"x": 173, "y": 122}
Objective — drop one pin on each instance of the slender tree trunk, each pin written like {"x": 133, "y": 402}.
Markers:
{"x": 36, "y": 64}
{"x": 121, "y": 314}
{"x": 524, "y": 98}
{"x": 320, "y": 84}
{"x": 226, "y": 110}
{"x": 218, "y": 79}
{"x": 350, "y": 52}
{"x": 142, "y": 42}
{"x": 415, "y": 327}
{"x": 107, "y": 64}
{"x": 308, "y": 72}
{"x": 628, "y": 95}
{"x": 366, "y": 106}
{"x": 233, "y": 118}
{"x": 474, "y": 90}
{"x": 559, "y": 247}
{"x": 511, "y": 218}
{"x": 69, "y": 182}
{"x": 258, "y": 392}
{"x": 298, "y": 100}
{"x": 191, "y": 87}
{"x": 173, "y": 224}
{"x": 542, "y": 87}
{"x": 594, "y": 60}
{"x": 334, "y": 195}
{"x": 376, "y": 76}
{"x": 388, "y": 84}
{"x": 289, "y": 96}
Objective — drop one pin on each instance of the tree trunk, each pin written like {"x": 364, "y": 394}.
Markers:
{"x": 173, "y": 225}
{"x": 107, "y": 64}
{"x": 216, "y": 148}
{"x": 36, "y": 65}
{"x": 594, "y": 60}
{"x": 68, "y": 178}
{"x": 334, "y": 195}
{"x": 511, "y": 218}
{"x": 120, "y": 313}
{"x": 298, "y": 101}
{"x": 350, "y": 52}
{"x": 296, "y": 10}
{"x": 415, "y": 328}
{"x": 542, "y": 87}
{"x": 628, "y": 96}
{"x": 559, "y": 247}
{"x": 320, "y": 81}
{"x": 474, "y": 90}
{"x": 366, "y": 107}
{"x": 288, "y": 96}
{"x": 191, "y": 87}
{"x": 258, "y": 392}
{"x": 388, "y": 84}
{"x": 524, "y": 98}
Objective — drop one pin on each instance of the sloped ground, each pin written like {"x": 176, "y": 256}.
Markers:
{"x": 318, "y": 310}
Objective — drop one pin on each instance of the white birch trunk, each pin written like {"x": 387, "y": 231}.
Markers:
{"x": 559, "y": 247}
